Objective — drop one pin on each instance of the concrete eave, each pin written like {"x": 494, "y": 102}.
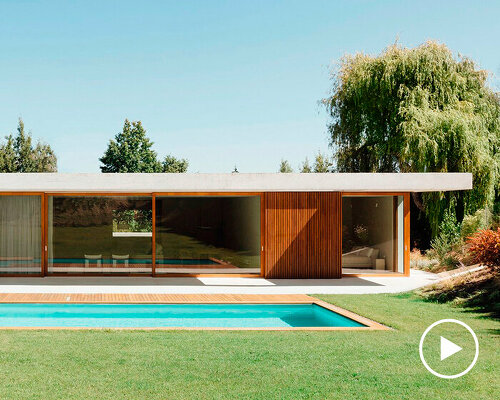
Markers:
{"x": 237, "y": 182}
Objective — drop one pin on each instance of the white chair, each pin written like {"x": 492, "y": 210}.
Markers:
{"x": 117, "y": 257}
{"x": 93, "y": 257}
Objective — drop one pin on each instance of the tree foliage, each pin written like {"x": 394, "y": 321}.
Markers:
{"x": 418, "y": 110}
{"x": 174, "y": 165}
{"x": 305, "y": 167}
{"x": 19, "y": 154}
{"x": 322, "y": 163}
{"x": 131, "y": 151}
{"x": 285, "y": 167}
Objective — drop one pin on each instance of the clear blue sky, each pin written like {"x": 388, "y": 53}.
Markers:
{"x": 218, "y": 82}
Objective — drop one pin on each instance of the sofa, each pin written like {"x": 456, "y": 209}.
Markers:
{"x": 360, "y": 258}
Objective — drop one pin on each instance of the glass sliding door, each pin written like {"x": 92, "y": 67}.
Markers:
{"x": 99, "y": 234}
{"x": 372, "y": 234}
{"x": 208, "y": 234}
{"x": 20, "y": 235}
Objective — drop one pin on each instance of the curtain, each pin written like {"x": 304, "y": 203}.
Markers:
{"x": 20, "y": 234}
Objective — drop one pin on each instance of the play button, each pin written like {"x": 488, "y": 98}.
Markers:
{"x": 448, "y": 348}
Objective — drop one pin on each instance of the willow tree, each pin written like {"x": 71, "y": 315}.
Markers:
{"x": 418, "y": 110}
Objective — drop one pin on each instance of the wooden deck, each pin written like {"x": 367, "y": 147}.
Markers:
{"x": 155, "y": 298}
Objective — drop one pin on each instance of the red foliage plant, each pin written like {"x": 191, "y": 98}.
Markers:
{"x": 485, "y": 247}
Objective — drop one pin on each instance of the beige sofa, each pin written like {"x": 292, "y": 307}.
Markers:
{"x": 360, "y": 258}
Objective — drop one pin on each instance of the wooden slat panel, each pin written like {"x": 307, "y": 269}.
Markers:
{"x": 303, "y": 235}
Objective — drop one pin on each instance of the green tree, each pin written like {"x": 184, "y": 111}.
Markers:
{"x": 131, "y": 151}
{"x": 322, "y": 163}
{"x": 8, "y": 155}
{"x": 172, "y": 164}
{"x": 18, "y": 154}
{"x": 305, "y": 167}
{"x": 285, "y": 167}
{"x": 418, "y": 110}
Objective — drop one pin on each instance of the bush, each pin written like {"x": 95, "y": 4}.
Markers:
{"x": 479, "y": 290}
{"x": 424, "y": 262}
{"x": 449, "y": 235}
{"x": 485, "y": 247}
{"x": 480, "y": 220}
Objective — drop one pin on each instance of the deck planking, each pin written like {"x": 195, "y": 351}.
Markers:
{"x": 145, "y": 298}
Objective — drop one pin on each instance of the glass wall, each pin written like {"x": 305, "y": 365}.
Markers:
{"x": 20, "y": 235}
{"x": 99, "y": 234}
{"x": 372, "y": 234}
{"x": 207, "y": 234}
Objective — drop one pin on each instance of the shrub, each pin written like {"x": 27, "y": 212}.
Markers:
{"x": 419, "y": 260}
{"x": 449, "y": 235}
{"x": 478, "y": 290}
{"x": 485, "y": 247}
{"x": 481, "y": 219}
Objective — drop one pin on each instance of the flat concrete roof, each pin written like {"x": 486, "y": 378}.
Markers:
{"x": 235, "y": 182}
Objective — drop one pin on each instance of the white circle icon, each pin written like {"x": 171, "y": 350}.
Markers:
{"x": 448, "y": 348}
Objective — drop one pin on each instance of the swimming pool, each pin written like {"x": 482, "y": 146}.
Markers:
{"x": 171, "y": 315}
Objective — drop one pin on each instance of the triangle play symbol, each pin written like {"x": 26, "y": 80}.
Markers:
{"x": 448, "y": 348}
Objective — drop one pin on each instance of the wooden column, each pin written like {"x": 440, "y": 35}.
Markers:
{"x": 153, "y": 235}
{"x": 406, "y": 234}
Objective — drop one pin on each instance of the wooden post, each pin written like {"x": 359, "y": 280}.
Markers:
{"x": 153, "y": 236}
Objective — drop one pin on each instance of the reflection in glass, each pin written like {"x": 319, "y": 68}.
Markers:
{"x": 372, "y": 234}
{"x": 99, "y": 234}
{"x": 208, "y": 234}
{"x": 20, "y": 235}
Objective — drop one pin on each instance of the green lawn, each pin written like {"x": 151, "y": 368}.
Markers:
{"x": 250, "y": 365}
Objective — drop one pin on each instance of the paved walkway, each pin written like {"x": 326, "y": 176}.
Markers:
{"x": 148, "y": 285}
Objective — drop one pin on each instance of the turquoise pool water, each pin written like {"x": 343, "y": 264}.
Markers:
{"x": 171, "y": 315}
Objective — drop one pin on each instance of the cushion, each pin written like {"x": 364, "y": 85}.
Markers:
{"x": 360, "y": 261}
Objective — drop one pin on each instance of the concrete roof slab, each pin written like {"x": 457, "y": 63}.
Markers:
{"x": 235, "y": 182}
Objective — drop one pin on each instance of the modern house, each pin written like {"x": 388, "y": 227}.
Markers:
{"x": 270, "y": 225}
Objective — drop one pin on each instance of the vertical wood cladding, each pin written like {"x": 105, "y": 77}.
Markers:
{"x": 303, "y": 235}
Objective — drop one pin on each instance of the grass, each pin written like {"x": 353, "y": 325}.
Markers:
{"x": 250, "y": 365}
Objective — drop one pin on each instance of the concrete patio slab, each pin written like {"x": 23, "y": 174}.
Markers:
{"x": 214, "y": 285}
